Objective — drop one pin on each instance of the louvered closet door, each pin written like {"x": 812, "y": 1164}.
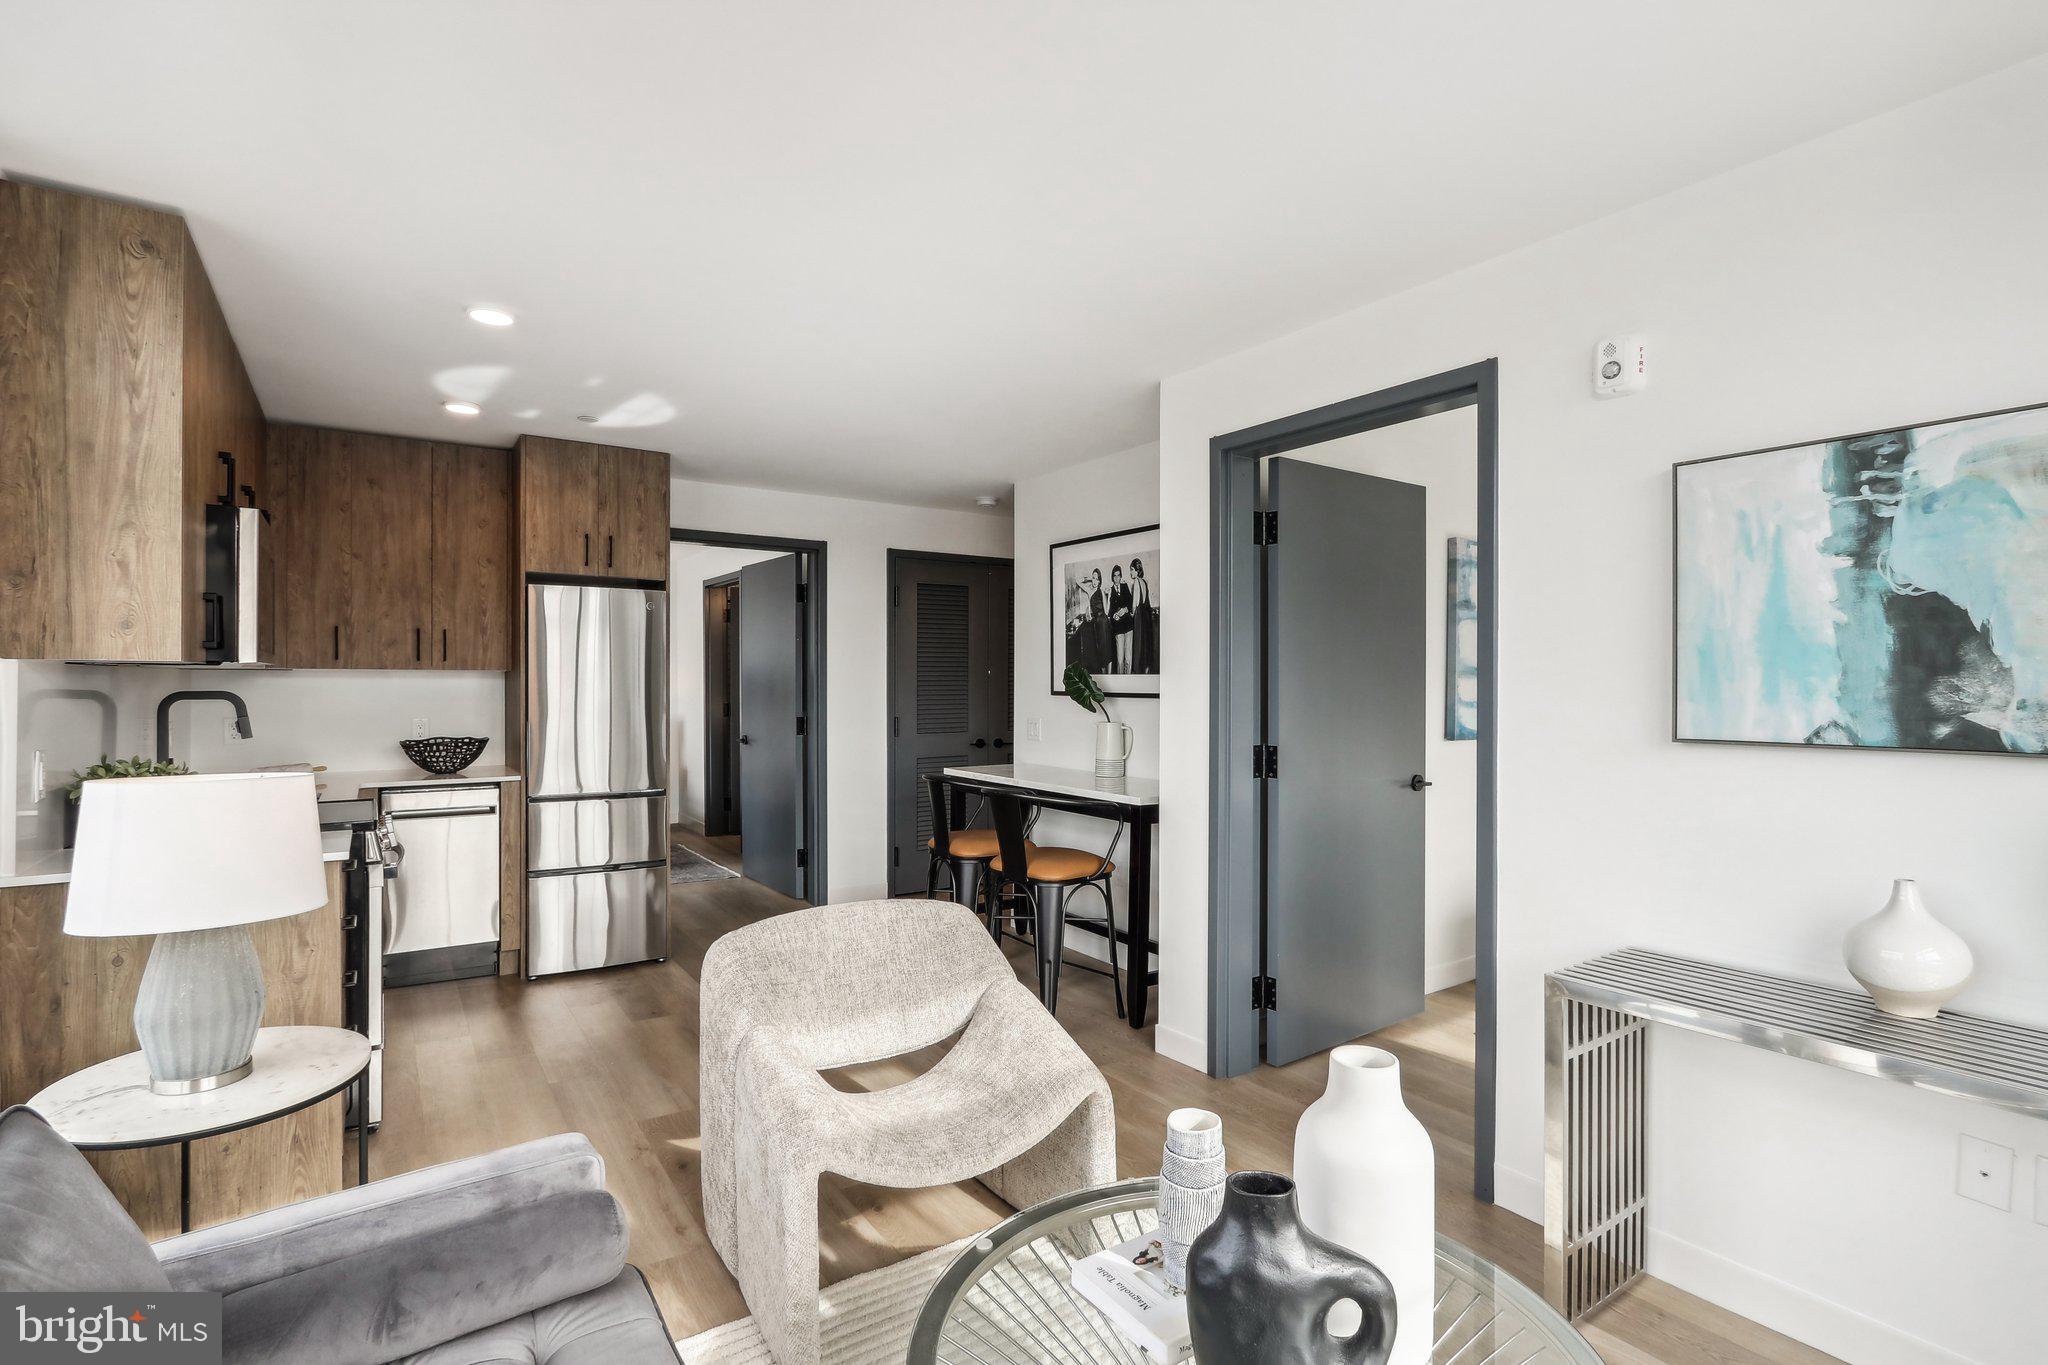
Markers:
{"x": 950, "y": 632}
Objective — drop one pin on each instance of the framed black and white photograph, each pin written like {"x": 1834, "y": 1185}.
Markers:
{"x": 1105, "y": 610}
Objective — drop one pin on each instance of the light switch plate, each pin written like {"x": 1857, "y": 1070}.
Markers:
{"x": 1034, "y": 729}
{"x": 1984, "y": 1172}
{"x": 229, "y": 732}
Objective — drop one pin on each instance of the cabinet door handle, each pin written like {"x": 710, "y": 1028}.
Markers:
{"x": 337, "y": 644}
{"x": 416, "y": 655}
{"x": 607, "y": 552}
{"x": 444, "y": 644}
{"x": 586, "y": 549}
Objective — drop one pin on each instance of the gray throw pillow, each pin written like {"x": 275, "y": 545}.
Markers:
{"x": 60, "y": 1227}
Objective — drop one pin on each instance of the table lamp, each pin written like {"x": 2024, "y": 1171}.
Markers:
{"x": 196, "y": 860}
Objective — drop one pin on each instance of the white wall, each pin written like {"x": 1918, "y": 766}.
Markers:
{"x": 858, "y": 537}
{"x": 1889, "y": 273}
{"x": 1440, "y": 453}
{"x": 1112, "y": 493}
{"x": 688, "y": 566}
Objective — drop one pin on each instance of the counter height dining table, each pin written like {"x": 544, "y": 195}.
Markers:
{"x": 1132, "y": 801}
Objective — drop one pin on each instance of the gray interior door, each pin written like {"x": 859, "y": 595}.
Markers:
{"x": 770, "y": 721}
{"x": 1346, "y": 710}
{"x": 953, "y": 666}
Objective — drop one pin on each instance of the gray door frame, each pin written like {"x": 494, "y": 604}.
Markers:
{"x": 895, "y": 557}
{"x": 1236, "y": 703}
{"x": 812, "y": 552}
{"x": 721, "y": 671}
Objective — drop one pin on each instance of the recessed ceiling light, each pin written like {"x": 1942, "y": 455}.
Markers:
{"x": 586, "y": 417}
{"x": 491, "y": 317}
{"x": 987, "y": 500}
{"x": 461, "y": 409}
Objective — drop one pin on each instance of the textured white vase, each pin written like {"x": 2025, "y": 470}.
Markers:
{"x": 1190, "y": 1186}
{"x": 1366, "y": 1177}
{"x": 1911, "y": 963}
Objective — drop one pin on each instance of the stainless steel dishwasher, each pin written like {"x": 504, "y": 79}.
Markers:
{"x": 441, "y": 912}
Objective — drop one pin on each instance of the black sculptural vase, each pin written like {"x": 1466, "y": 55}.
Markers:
{"x": 1261, "y": 1286}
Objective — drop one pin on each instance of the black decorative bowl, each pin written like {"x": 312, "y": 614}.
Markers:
{"x": 444, "y": 755}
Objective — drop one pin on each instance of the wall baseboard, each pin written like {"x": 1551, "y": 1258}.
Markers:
{"x": 1440, "y": 976}
{"x": 1519, "y": 1194}
{"x": 1782, "y": 1307}
{"x": 1180, "y": 1047}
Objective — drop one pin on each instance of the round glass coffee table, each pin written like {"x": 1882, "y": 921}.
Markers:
{"x": 1008, "y": 1298}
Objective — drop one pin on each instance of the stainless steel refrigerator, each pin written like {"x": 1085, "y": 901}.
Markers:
{"x": 596, "y": 774}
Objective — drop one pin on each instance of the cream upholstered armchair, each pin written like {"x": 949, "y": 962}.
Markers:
{"x": 1015, "y": 1102}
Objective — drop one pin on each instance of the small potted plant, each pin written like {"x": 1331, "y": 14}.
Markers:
{"x": 137, "y": 766}
{"x": 1113, "y": 739}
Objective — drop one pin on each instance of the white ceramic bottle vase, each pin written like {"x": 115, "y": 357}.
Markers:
{"x": 1190, "y": 1186}
{"x": 1911, "y": 963}
{"x": 1366, "y": 1173}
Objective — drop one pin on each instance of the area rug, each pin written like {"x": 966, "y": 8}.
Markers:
{"x": 866, "y": 1320}
{"x": 685, "y": 866}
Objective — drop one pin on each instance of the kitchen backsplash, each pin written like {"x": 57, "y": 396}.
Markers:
{"x": 347, "y": 720}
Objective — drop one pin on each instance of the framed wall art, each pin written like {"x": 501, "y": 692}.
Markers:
{"x": 1105, "y": 610}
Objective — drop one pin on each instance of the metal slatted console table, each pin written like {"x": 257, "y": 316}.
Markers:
{"x": 1596, "y": 1049}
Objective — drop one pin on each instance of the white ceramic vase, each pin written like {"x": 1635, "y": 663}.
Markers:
{"x": 1113, "y": 744}
{"x": 1366, "y": 1173}
{"x": 1190, "y": 1186}
{"x": 1911, "y": 963}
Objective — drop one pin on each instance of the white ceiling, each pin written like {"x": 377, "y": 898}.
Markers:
{"x": 911, "y": 249}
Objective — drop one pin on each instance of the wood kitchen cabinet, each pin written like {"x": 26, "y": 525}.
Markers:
{"x": 592, "y": 509}
{"x": 472, "y": 617}
{"x": 396, "y": 551}
{"x": 121, "y": 389}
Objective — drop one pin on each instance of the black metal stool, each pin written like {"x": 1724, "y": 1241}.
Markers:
{"x": 1043, "y": 878}
{"x": 962, "y": 854}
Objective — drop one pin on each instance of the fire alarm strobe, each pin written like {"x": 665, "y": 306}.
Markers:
{"x": 1621, "y": 365}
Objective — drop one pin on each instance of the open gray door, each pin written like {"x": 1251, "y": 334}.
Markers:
{"x": 1346, "y": 709}
{"x": 771, "y": 723}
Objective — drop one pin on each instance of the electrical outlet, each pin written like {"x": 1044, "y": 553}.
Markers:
{"x": 1034, "y": 729}
{"x": 228, "y": 733}
{"x": 419, "y": 727}
{"x": 1984, "y": 1172}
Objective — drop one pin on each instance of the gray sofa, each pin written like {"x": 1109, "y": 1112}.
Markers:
{"x": 518, "y": 1256}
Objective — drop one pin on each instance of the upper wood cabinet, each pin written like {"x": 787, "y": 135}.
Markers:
{"x": 120, "y": 391}
{"x": 396, "y": 552}
{"x": 472, "y": 558}
{"x": 591, "y": 509}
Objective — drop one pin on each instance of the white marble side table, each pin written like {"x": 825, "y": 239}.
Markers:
{"x": 109, "y": 1107}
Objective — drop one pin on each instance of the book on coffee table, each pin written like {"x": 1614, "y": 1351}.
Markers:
{"x": 1126, "y": 1284}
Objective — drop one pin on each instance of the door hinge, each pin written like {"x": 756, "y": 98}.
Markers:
{"x": 1265, "y": 760}
{"x": 1266, "y": 527}
{"x": 728, "y": 803}
{"x": 895, "y": 857}
{"x": 803, "y": 857}
{"x": 895, "y": 597}
{"x": 896, "y": 726}
{"x": 1265, "y": 993}
{"x": 800, "y": 727}
{"x": 725, "y": 708}
{"x": 728, "y": 613}
{"x": 803, "y": 594}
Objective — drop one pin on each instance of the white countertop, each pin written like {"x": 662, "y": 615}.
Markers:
{"x": 46, "y": 866}
{"x": 1123, "y": 791}
{"x": 111, "y": 1105}
{"x": 339, "y": 786}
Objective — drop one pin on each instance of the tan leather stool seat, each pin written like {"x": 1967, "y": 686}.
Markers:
{"x": 973, "y": 843}
{"x": 1056, "y": 864}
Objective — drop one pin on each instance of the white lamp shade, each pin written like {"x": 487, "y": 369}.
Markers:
{"x": 159, "y": 855}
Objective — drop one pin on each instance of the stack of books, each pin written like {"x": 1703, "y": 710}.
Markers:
{"x": 1127, "y": 1285}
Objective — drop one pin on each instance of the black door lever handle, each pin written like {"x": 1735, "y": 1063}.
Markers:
{"x": 745, "y": 740}
{"x": 981, "y": 744}
{"x": 1418, "y": 782}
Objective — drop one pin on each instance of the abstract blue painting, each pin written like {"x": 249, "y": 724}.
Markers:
{"x": 1887, "y": 590}
{"x": 1461, "y": 639}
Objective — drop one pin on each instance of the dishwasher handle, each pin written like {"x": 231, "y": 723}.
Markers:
{"x": 442, "y": 812}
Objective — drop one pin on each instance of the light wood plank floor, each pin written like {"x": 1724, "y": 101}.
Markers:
{"x": 474, "y": 1065}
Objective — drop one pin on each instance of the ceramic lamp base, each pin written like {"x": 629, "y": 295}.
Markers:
{"x": 198, "y": 1009}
